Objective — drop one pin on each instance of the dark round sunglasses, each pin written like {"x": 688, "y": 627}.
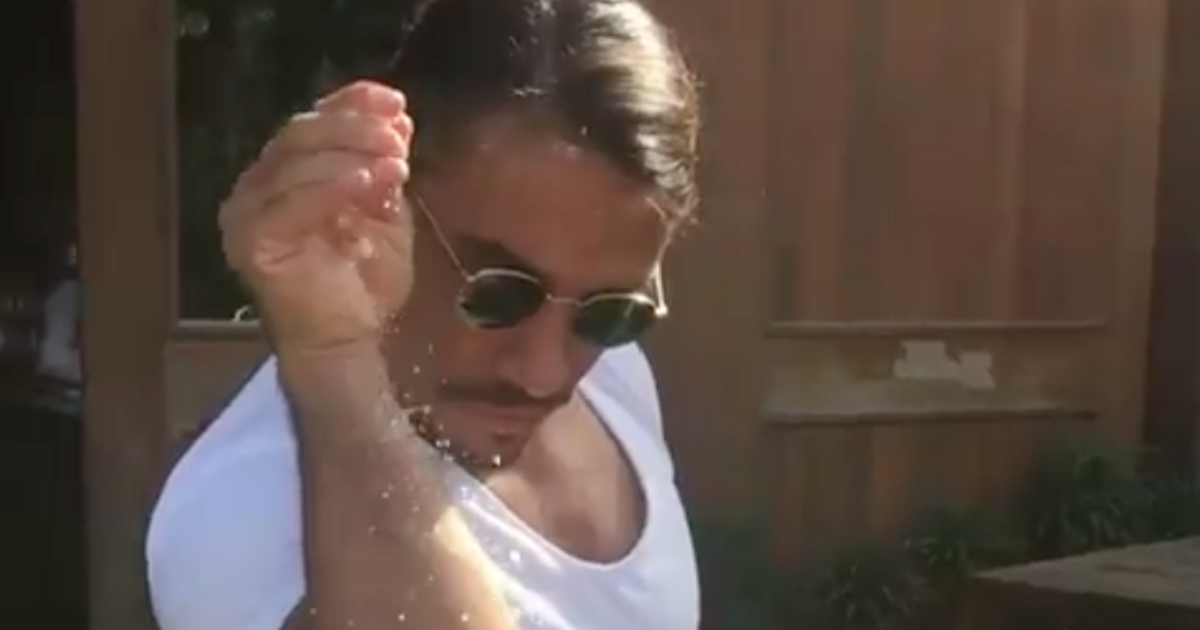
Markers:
{"x": 501, "y": 297}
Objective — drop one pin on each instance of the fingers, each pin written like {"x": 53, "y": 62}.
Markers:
{"x": 322, "y": 175}
{"x": 364, "y": 97}
{"x": 371, "y": 184}
{"x": 362, "y": 117}
{"x": 338, "y": 131}
{"x": 331, "y": 212}
{"x": 314, "y": 168}
{"x": 367, "y": 98}
{"x": 269, "y": 233}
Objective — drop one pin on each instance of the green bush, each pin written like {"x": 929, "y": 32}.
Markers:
{"x": 1082, "y": 497}
{"x": 867, "y": 587}
{"x": 952, "y": 544}
{"x": 1086, "y": 497}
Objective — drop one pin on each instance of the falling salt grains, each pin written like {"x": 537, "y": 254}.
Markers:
{"x": 465, "y": 617}
{"x": 514, "y": 557}
{"x": 401, "y": 617}
{"x": 392, "y": 204}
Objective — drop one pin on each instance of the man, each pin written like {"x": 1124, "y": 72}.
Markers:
{"x": 457, "y": 429}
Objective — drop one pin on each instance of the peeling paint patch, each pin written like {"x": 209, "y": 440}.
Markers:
{"x": 923, "y": 360}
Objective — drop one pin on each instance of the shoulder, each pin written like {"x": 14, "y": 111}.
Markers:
{"x": 625, "y": 374}
{"x": 224, "y": 544}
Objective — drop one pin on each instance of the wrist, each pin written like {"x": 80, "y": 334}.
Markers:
{"x": 341, "y": 397}
{"x": 304, "y": 355}
{"x": 344, "y": 376}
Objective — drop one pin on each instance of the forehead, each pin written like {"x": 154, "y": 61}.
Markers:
{"x": 560, "y": 209}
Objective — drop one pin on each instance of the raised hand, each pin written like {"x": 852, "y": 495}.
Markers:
{"x": 318, "y": 228}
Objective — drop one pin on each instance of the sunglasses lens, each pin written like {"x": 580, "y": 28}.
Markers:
{"x": 613, "y": 321}
{"x": 500, "y": 300}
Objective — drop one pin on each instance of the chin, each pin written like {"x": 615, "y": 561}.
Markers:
{"x": 482, "y": 440}
{"x": 488, "y": 452}
{"x": 500, "y": 424}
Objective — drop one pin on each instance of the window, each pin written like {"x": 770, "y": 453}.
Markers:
{"x": 243, "y": 68}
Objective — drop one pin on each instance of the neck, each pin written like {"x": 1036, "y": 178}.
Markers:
{"x": 428, "y": 430}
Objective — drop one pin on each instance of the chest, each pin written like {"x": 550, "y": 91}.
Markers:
{"x": 615, "y": 599}
{"x": 591, "y": 505}
{"x": 589, "y": 533}
{"x": 651, "y": 587}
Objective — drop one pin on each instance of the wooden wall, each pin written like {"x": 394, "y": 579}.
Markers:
{"x": 928, "y": 253}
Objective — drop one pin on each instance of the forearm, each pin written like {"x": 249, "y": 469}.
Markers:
{"x": 382, "y": 542}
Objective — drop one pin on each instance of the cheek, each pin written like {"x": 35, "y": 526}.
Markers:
{"x": 583, "y": 358}
{"x": 471, "y": 354}
{"x": 436, "y": 281}
{"x": 466, "y": 353}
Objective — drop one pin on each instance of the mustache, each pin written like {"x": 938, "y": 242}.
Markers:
{"x": 500, "y": 394}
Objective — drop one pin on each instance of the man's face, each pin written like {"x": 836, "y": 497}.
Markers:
{"x": 558, "y": 213}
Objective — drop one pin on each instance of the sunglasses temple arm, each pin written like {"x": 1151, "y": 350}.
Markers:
{"x": 660, "y": 293}
{"x": 419, "y": 202}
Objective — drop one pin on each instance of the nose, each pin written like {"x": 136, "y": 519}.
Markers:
{"x": 537, "y": 356}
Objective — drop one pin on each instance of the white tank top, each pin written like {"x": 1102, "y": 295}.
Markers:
{"x": 224, "y": 547}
